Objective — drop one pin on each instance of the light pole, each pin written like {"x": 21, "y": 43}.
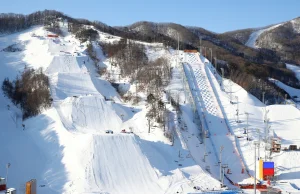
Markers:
{"x": 224, "y": 166}
{"x": 216, "y": 63}
{"x": 205, "y": 154}
{"x": 255, "y": 144}
{"x": 7, "y": 167}
{"x": 258, "y": 131}
{"x": 237, "y": 109}
{"x": 148, "y": 125}
{"x": 221, "y": 149}
{"x": 222, "y": 85}
{"x": 210, "y": 55}
{"x": 230, "y": 87}
{"x": 285, "y": 96}
{"x": 247, "y": 126}
{"x": 200, "y": 45}
{"x": 178, "y": 44}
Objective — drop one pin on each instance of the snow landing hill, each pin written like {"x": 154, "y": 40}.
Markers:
{"x": 67, "y": 150}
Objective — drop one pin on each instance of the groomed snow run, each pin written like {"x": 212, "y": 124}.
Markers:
{"x": 295, "y": 69}
{"x": 255, "y": 35}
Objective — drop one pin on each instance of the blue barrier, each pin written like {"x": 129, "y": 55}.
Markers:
{"x": 268, "y": 165}
{"x": 222, "y": 192}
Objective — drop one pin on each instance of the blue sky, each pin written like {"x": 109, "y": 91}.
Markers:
{"x": 214, "y": 15}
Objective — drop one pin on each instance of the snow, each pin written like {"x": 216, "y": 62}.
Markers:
{"x": 289, "y": 119}
{"x": 293, "y": 92}
{"x": 212, "y": 118}
{"x": 255, "y": 35}
{"x": 283, "y": 121}
{"x": 295, "y": 69}
{"x": 66, "y": 149}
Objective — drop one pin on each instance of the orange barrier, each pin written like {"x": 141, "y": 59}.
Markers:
{"x": 52, "y": 36}
{"x": 190, "y": 51}
{"x": 258, "y": 186}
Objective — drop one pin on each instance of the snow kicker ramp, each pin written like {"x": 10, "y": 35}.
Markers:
{"x": 116, "y": 164}
{"x": 66, "y": 64}
{"x": 212, "y": 118}
{"x": 89, "y": 114}
{"x": 65, "y": 85}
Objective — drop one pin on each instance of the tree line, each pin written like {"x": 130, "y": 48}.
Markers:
{"x": 148, "y": 76}
{"x": 30, "y": 91}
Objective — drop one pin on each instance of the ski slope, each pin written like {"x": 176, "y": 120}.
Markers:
{"x": 283, "y": 121}
{"x": 293, "y": 92}
{"x": 295, "y": 69}
{"x": 110, "y": 168}
{"x": 212, "y": 118}
{"x": 66, "y": 149}
{"x": 255, "y": 35}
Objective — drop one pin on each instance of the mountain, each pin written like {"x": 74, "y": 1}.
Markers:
{"x": 241, "y": 35}
{"x": 282, "y": 38}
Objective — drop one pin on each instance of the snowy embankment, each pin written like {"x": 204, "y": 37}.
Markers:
{"x": 295, "y": 69}
{"x": 293, "y": 92}
{"x": 255, "y": 35}
{"x": 66, "y": 149}
{"x": 213, "y": 120}
{"x": 283, "y": 119}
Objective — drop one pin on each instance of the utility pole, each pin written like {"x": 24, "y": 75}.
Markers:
{"x": 267, "y": 144}
{"x": 258, "y": 131}
{"x": 210, "y": 55}
{"x": 216, "y": 64}
{"x": 255, "y": 144}
{"x": 173, "y": 136}
{"x": 136, "y": 97}
{"x": 285, "y": 96}
{"x": 222, "y": 82}
{"x": 165, "y": 115}
{"x": 247, "y": 126}
{"x": 148, "y": 125}
{"x": 200, "y": 45}
{"x": 237, "y": 109}
{"x": 224, "y": 166}
{"x": 230, "y": 90}
{"x": 205, "y": 154}
{"x": 221, "y": 149}
{"x": 178, "y": 44}
{"x": 7, "y": 167}
{"x": 177, "y": 58}
{"x": 266, "y": 120}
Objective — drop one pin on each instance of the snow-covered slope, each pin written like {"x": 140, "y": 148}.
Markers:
{"x": 295, "y": 69}
{"x": 284, "y": 122}
{"x": 213, "y": 120}
{"x": 66, "y": 148}
{"x": 255, "y": 35}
